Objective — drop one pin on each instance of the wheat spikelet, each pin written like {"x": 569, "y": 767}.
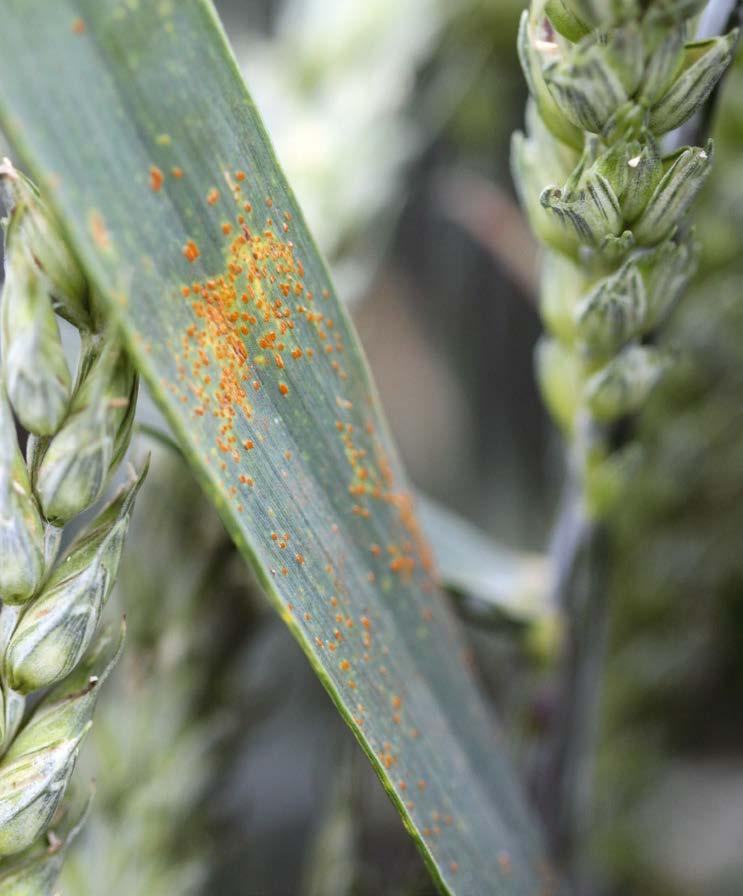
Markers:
{"x": 51, "y": 605}
{"x": 608, "y": 79}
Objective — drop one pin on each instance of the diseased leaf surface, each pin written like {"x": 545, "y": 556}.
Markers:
{"x": 133, "y": 118}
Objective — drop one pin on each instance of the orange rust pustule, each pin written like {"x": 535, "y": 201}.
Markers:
{"x": 190, "y": 251}
{"x": 156, "y": 179}
{"x": 99, "y": 231}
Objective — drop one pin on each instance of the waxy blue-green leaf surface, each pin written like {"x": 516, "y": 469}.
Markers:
{"x": 133, "y": 119}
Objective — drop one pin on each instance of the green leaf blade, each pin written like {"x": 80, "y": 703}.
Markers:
{"x": 134, "y": 120}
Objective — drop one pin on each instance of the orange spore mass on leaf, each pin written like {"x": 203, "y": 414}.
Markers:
{"x": 191, "y": 251}
{"x": 254, "y": 320}
{"x": 156, "y": 178}
{"x": 99, "y": 231}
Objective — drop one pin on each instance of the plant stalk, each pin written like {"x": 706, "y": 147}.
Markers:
{"x": 563, "y": 781}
